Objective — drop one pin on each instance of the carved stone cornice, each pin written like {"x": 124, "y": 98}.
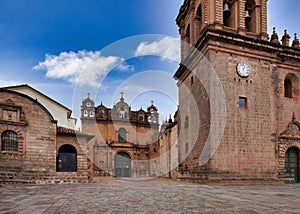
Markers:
{"x": 292, "y": 131}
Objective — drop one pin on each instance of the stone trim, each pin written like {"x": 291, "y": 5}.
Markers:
{"x": 283, "y": 146}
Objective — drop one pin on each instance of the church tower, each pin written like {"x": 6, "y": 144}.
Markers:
{"x": 238, "y": 94}
{"x": 243, "y": 17}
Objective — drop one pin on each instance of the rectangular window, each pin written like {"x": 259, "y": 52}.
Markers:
{"x": 243, "y": 102}
{"x": 186, "y": 148}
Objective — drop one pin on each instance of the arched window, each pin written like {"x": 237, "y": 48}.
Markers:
{"x": 291, "y": 86}
{"x": 9, "y": 141}
{"x": 288, "y": 89}
{"x": 122, "y": 135}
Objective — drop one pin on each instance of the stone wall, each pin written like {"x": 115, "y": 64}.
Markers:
{"x": 36, "y": 130}
{"x": 250, "y": 148}
{"x": 34, "y": 160}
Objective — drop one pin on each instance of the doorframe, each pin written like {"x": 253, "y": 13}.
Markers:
{"x": 298, "y": 164}
{"x": 283, "y": 146}
{"x": 58, "y": 154}
{"x": 127, "y": 153}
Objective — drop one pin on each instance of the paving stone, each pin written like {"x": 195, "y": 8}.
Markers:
{"x": 112, "y": 195}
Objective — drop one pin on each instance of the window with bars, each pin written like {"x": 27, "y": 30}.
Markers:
{"x": 9, "y": 141}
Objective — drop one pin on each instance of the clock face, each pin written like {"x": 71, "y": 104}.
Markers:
{"x": 243, "y": 69}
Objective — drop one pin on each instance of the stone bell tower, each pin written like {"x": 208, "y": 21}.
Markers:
{"x": 244, "y": 17}
{"x": 238, "y": 91}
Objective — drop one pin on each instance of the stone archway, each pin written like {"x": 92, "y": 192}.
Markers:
{"x": 122, "y": 165}
{"x": 288, "y": 153}
{"x": 291, "y": 170}
{"x": 66, "y": 160}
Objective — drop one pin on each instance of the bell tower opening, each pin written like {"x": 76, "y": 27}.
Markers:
{"x": 188, "y": 34}
{"x": 229, "y": 14}
{"x": 245, "y": 17}
{"x": 198, "y": 19}
{"x": 250, "y": 16}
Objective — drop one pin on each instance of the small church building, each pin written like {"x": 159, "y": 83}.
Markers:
{"x": 126, "y": 141}
{"x": 38, "y": 141}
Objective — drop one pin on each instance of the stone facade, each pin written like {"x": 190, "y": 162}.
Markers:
{"x": 249, "y": 111}
{"x": 125, "y": 143}
{"x": 168, "y": 148}
{"x": 30, "y": 142}
{"x": 237, "y": 119}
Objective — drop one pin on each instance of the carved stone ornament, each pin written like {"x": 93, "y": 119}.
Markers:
{"x": 292, "y": 132}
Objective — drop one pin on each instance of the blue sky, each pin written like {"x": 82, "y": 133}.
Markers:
{"x": 36, "y": 36}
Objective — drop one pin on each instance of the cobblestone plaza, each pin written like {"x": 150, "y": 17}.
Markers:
{"x": 110, "y": 195}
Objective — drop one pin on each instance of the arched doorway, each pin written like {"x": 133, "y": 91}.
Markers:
{"x": 122, "y": 165}
{"x": 66, "y": 159}
{"x": 292, "y": 165}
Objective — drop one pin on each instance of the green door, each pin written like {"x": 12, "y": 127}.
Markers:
{"x": 122, "y": 165}
{"x": 292, "y": 166}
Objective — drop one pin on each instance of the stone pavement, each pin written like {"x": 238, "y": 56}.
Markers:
{"x": 112, "y": 195}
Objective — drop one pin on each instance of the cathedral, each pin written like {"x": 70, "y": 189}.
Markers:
{"x": 126, "y": 141}
{"x": 246, "y": 87}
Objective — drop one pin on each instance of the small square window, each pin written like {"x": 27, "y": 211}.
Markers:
{"x": 243, "y": 102}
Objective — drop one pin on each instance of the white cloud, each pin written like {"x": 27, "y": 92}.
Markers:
{"x": 166, "y": 47}
{"x": 82, "y": 67}
{"x": 124, "y": 67}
